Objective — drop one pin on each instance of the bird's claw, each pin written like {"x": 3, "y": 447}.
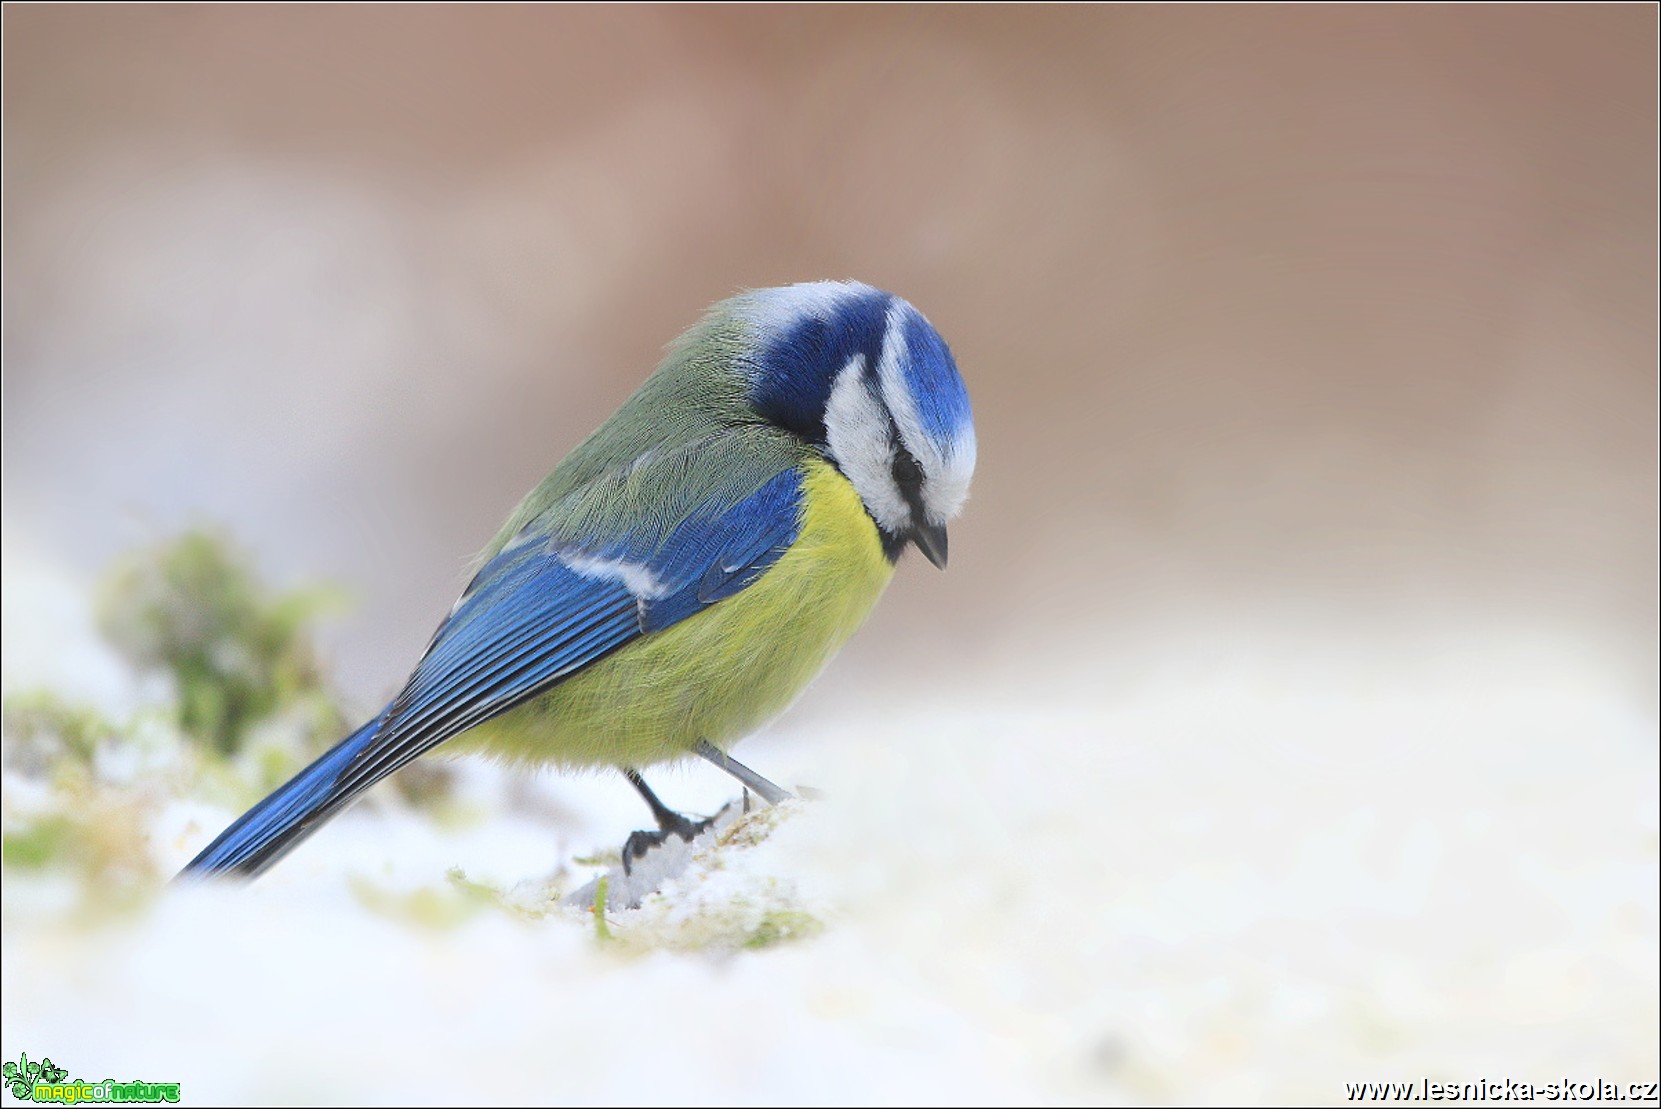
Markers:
{"x": 640, "y": 843}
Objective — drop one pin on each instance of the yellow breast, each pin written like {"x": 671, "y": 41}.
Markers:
{"x": 722, "y": 672}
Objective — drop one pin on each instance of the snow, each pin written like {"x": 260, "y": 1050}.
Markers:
{"x": 1247, "y": 886}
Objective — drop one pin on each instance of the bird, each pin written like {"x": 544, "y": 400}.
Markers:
{"x": 683, "y": 574}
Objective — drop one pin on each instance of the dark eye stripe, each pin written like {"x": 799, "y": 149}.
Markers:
{"x": 907, "y": 473}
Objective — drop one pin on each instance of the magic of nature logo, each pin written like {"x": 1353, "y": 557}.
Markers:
{"x": 46, "y": 1081}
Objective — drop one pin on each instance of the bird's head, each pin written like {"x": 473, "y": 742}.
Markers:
{"x": 861, "y": 376}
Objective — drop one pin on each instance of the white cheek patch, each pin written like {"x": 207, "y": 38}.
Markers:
{"x": 948, "y": 466}
{"x": 856, "y": 430}
{"x": 636, "y": 577}
{"x": 948, "y": 488}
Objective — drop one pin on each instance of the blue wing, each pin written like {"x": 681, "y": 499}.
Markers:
{"x": 540, "y": 611}
{"x": 544, "y": 608}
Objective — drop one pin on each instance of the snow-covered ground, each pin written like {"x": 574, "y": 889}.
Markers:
{"x": 1250, "y": 886}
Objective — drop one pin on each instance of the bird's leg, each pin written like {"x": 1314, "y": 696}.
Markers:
{"x": 770, "y": 793}
{"x": 672, "y": 823}
{"x": 669, "y": 822}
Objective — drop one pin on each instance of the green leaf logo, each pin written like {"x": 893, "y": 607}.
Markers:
{"x": 19, "y": 1076}
{"x": 22, "y": 1076}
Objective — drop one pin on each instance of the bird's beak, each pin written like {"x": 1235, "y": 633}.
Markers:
{"x": 931, "y": 540}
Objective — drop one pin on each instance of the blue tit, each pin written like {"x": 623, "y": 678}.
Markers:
{"x": 685, "y": 572}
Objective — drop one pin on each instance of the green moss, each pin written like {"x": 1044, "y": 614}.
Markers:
{"x": 784, "y": 926}
{"x": 238, "y": 653}
{"x": 36, "y": 846}
{"x": 98, "y": 836}
{"x": 241, "y": 657}
{"x": 458, "y": 878}
{"x": 43, "y": 731}
{"x": 431, "y": 907}
{"x": 481, "y": 894}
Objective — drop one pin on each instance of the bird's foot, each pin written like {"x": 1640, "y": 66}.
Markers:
{"x": 651, "y": 859}
{"x": 670, "y": 823}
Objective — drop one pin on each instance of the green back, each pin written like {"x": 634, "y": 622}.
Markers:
{"x": 686, "y": 439}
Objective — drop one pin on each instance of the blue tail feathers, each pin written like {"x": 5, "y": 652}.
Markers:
{"x": 275, "y": 826}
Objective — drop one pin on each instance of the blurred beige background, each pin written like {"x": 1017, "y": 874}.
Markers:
{"x": 1332, "y": 326}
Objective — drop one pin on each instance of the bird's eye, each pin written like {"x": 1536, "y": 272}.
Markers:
{"x": 907, "y": 473}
